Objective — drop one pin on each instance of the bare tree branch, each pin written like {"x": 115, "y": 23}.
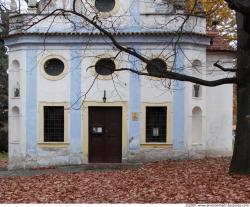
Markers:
{"x": 224, "y": 69}
{"x": 131, "y": 51}
{"x": 182, "y": 77}
{"x": 168, "y": 74}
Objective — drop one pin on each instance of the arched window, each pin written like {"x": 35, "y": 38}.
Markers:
{"x": 15, "y": 79}
{"x": 196, "y": 125}
{"x": 15, "y": 65}
{"x": 14, "y": 122}
{"x": 196, "y": 64}
{"x": 15, "y": 111}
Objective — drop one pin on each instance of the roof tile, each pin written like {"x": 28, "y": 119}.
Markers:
{"x": 218, "y": 43}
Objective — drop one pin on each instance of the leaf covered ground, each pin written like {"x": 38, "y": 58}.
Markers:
{"x": 3, "y": 160}
{"x": 197, "y": 181}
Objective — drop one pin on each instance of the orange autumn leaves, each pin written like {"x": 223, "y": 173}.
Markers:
{"x": 219, "y": 11}
{"x": 182, "y": 181}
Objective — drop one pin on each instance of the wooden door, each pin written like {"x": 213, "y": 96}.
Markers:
{"x": 105, "y": 134}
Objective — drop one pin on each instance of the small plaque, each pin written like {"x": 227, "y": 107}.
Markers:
{"x": 97, "y": 130}
{"x": 135, "y": 116}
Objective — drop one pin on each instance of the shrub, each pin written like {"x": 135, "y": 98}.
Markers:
{"x": 3, "y": 141}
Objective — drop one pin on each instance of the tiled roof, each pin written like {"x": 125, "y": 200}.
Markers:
{"x": 160, "y": 33}
{"x": 218, "y": 43}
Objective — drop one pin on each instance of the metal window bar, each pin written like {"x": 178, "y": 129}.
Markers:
{"x": 53, "y": 124}
{"x": 156, "y": 122}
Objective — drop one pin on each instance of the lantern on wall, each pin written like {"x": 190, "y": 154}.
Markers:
{"x": 196, "y": 90}
{"x": 104, "y": 98}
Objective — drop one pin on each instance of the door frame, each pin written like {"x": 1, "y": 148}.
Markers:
{"x": 85, "y": 124}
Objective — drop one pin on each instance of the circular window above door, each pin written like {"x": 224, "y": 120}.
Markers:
{"x": 105, "y": 66}
{"x": 105, "y": 5}
{"x": 106, "y": 8}
{"x": 156, "y": 71}
{"x": 54, "y": 68}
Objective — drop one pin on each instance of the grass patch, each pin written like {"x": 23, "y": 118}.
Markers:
{"x": 3, "y": 156}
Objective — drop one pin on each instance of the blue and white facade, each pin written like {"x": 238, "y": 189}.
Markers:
{"x": 196, "y": 126}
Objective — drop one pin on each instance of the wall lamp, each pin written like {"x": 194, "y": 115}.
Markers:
{"x": 104, "y": 98}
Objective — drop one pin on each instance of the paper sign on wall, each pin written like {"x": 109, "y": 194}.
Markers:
{"x": 135, "y": 116}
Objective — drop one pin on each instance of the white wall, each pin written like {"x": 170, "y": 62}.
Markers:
{"x": 156, "y": 90}
{"x": 194, "y": 53}
{"x": 219, "y": 108}
{"x": 126, "y": 12}
{"x": 53, "y": 91}
{"x": 116, "y": 89}
{"x": 17, "y": 111}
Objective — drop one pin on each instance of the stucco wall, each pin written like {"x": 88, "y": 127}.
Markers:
{"x": 127, "y": 16}
{"x": 17, "y": 109}
{"x": 128, "y": 90}
{"x": 215, "y": 104}
{"x": 219, "y": 105}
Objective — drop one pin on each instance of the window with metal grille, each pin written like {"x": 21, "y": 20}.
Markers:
{"x": 53, "y": 124}
{"x": 156, "y": 124}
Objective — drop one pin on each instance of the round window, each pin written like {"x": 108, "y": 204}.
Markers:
{"x": 54, "y": 67}
{"x": 156, "y": 71}
{"x": 105, "y": 5}
{"x": 105, "y": 66}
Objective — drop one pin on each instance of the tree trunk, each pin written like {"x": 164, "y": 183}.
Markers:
{"x": 241, "y": 156}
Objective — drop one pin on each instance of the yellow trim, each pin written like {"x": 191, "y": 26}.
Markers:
{"x": 41, "y": 142}
{"x": 53, "y": 144}
{"x": 156, "y": 145}
{"x": 85, "y": 128}
{"x": 169, "y": 125}
{"x": 110, "y": 13}
{"x": 58, "y": 77}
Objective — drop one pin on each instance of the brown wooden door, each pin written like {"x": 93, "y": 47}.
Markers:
{"x": 105, "y": 134}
